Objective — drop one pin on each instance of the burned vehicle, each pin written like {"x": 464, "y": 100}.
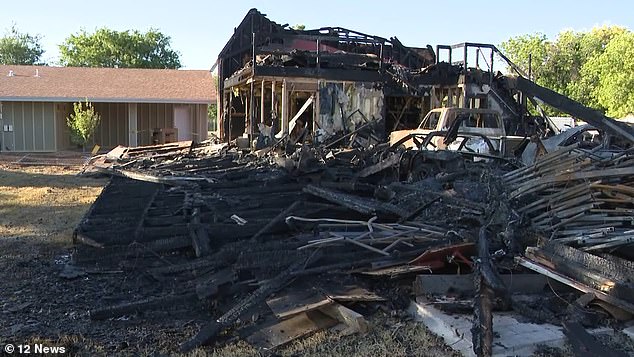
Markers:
{"x": 473, "y": 130}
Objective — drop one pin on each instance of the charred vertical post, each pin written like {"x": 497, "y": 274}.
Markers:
{"x": 262, "y": 91}
{"x": 284, "y": 107}
{"x": 274, "y": 123}
{"x": 491, "y": 67}
{"x": 487, "y": 283}
{"x": 482, "y": 330}
{"x": 316, "y": 109}
{"x": 220, "y": 103}
{"x": 229, "y": 117}
{"x": 251, "y": 130}
{"x": 318, "y": 56}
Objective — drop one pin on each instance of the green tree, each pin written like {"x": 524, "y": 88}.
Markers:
{"x": 83, "y": 122}
{"x": 530, "y": 51}
{"x": 614, "y": 69}
{"x": 299, "y": 27}
{"x": 109, "y": 48}
{"x": 212, "y": 114}
{"x": 20, "y": 48}
{"x": 519, "y": 49}
{"x": 592, "y": 45}
{"x": 212, "y": 109}
{"x": 565, "y": 65}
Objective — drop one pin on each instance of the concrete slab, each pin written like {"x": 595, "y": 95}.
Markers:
{"x": 512, "y": 337}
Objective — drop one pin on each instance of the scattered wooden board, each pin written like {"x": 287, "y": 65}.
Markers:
{"x": 297, "y": 300}
{"x": 347, "y": 293}
{"x": 288, "y": 330}
{"x": 354, "y": 320}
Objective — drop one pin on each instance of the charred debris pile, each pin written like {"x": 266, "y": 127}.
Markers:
{"x": 307, "y": 217}
{"x": 306, "y": 234}
{"x": 291, "y": 239}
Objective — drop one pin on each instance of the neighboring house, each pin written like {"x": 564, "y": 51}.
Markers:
{"x": 133, "y": 103}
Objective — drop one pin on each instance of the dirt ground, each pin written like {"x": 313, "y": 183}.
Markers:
{"x": 39, "y": 208}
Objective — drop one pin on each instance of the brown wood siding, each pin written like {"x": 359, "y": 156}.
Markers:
{"x": 112, "y": 129}
{"x": 42, "y": 126}
{"x": 62, "y": 110}
{"x": 151, "y": 116}
{"x": 33, "y": 127}
{"x": 203, "y": 119}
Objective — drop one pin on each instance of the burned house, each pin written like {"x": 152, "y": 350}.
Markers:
{"x": 331, "y": 81}
{"x": 274, "y": 245}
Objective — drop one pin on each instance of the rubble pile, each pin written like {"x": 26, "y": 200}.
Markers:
{"x": 580, "y": 203}
{"x": 317, "y": 219}
{"x": 307, "y": 239}
{"x": 212, "y": 224}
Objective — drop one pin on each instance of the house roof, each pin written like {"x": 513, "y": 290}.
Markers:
{"x": 69, "y": 84}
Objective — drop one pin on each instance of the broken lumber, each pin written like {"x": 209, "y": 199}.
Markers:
{"x": 551, "y": 273}
{"x": 212, "y": 329}
{"x": 355, "y": 321}
{"x": 140, "y": 306}
{"x": 300, "y": 325}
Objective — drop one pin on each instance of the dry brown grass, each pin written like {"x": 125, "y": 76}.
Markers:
{"x": 44, "y": 202}
{"x": 387, "y": 337}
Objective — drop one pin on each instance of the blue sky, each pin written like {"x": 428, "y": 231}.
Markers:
{"x": 199, "y": 29}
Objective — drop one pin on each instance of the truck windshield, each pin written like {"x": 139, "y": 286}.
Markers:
{"x": 430, "y": 121}
{"x": 480, "y": 120}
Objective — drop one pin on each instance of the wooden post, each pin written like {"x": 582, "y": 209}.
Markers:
{"x": 316, "y": 109}
{"x": 262, "y": 103}
{"x": 220, "y": 103}
{"x": 448, "y": 97}
{"x": 274, "y": 123}
{"x": 247, "y": 112}
{"x": 284, "y": 107}
{"x": 229, "y": 116}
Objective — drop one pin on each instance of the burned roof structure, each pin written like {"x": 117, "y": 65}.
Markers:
{"x": 332, "y": 80}
{"x": 279, "y": 83}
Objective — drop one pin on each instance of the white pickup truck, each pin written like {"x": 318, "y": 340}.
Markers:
{"x": 461, "y": 129}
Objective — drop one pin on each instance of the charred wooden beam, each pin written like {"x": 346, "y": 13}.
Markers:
{"x": 152, "y": 303}
{"x": 281, "y": 216}
{"x": 562, "y": 278}
{"x": 487, "y": 283}
{"x": 358, "y": 204}
{"x": 574, "y": 108}
{"x": 212, "y": 329}
{"x": 609, "y": 283}
{"x": 348, "y": 201}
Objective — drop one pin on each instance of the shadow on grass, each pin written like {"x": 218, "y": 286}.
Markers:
{"x": 63, "y": 178}
{"x": 41, "y": 221}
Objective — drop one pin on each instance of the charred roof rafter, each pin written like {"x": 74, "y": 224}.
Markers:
{"x": 256, "y": 31}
